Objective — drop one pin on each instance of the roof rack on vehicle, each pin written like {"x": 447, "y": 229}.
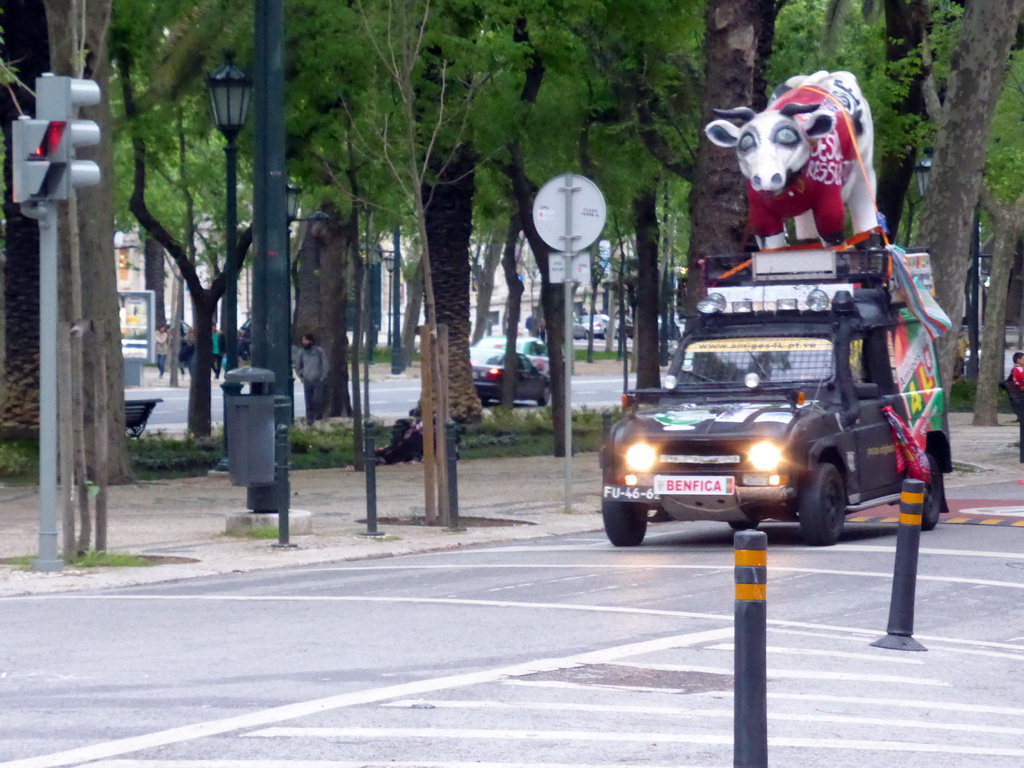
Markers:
{"x": 867, "y": 268}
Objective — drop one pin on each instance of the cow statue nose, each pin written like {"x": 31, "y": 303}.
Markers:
{"x": 757, "y": 182}
{"x": 777, "y": 180}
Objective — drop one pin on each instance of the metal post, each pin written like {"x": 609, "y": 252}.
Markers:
{"x": 229, "y": 314}
{"x": 904, "y": 580}
{"x": 397, "y": 363}
{"x": 273, "y": 350}
{"x": 567, "y": 338}
{"x": 282, "y": 488}
{"x": 750, "y": 699}
{"x": 370, "y": 468}
{"x": 1020, "y": 441}
{"x": 974, "y": 310}
{"x": 48, "y": 559}
{"x": 451, "y": 430}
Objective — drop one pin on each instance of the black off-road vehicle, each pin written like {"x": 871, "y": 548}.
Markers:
{"x": 775, "y": 404}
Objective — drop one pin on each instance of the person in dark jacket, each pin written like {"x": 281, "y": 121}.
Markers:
{"x": 311, "y": 369}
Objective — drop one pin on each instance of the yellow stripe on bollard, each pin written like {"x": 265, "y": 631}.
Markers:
{"x": 751, "y": 592}
{"x": 908, "y": 497}
{"x": 908, "y": 519}
{"x": 757, "y": 558}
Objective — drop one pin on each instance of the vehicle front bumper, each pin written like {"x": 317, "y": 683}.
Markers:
{"x": 725, "y": 508}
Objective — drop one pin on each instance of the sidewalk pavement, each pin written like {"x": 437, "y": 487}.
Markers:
{"x": 184, "y": 520}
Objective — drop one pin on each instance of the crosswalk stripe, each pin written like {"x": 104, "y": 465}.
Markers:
{"x": 718, "y": 739}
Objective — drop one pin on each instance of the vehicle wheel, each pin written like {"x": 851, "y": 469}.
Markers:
{"x": 934, "y": 497}
{"x": 822, "y": 508}
{"x": 744, "y": 525}
{"x": 545, "y": 396}
{"x": 625, "y": 523}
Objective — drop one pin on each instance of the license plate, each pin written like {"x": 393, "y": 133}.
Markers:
{"x": 629, "y": 493}
{"x": 694, "y": 485}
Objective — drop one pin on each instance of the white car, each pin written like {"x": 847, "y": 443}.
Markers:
{"x": 532, "y": 347}
{"x": 581, "y": 328}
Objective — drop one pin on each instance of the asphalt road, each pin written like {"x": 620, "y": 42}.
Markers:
{"x": 388, "y": 399}
{"x": 563, "y": 651}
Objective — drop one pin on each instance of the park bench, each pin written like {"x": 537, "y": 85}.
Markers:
{"x": 136, "y": 414}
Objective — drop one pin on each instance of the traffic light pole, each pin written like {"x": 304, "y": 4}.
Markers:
{"x": 46, "y": 213}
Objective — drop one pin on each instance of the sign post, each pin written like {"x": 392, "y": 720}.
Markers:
{"x": 569, "y": 213}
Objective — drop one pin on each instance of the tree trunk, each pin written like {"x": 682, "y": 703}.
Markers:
{"x": 155, "y": 278}
{"x": 512, "y": 308}
{"x": 718, "y": 203}
{"x": 905, "y": 25}
{"x": 413, "y": 306}
{"x": 25, "y": 42}
{"x": 645, "y": 327}
{"x": 1008, "y": 223}
{"x": 339, "y": 237}
{"x": 449, "y": 224}
{"x": 978, "y": 62}
{"x": 485, "y": 287}
{"x": 204, "y": 313}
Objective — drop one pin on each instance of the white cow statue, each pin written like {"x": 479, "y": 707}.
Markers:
{"x": 805, "y": 156}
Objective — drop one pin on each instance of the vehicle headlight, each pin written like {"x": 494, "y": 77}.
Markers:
{"x": 765, "y": 456}
{"x": 640, "y": 457}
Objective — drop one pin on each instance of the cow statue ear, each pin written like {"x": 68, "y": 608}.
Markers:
{"x": 722, "y": 133}
{"x": 819, "y": 124}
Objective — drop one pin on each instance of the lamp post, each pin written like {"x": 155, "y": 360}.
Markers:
{"x": 230, "y": 90}
{"x": 292, "y": 195}
{"x": 397, "y": 358}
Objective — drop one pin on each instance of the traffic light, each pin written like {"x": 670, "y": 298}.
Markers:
{"x": 44, "y": 161}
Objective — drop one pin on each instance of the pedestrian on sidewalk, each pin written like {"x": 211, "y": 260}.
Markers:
{"x": 186, "y": 354}
{"x": 160, "y": 347}
{"x": 219, "y": 348}
{"x": 312, "y": 372}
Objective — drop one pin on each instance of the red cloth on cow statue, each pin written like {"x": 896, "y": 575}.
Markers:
{"x": 805, "y": 156}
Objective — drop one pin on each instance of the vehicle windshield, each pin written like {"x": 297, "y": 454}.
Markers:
{"x": 777, "y": 360}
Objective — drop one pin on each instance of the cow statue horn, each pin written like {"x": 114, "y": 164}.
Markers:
{"x": 745, "y": 114}
{"x": 794, "y": 108}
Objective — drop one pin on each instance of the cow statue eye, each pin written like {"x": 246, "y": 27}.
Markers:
{"x": 747, "y": 142}
{"x": 787, "y": 137}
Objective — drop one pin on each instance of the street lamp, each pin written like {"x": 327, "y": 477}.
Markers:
{"x": 292, "y": 195}
{"x": 393, "y": 263}
{"x": 922, "y": 170}
{"x": 230, "y": 90}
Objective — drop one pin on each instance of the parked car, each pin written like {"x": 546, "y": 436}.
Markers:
{"x": 581, "y": 328}
{"x": 489, "y": 374}
{"x": 532, "y": 347}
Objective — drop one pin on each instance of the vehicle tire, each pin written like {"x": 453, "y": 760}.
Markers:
{"x": 822, "y": 506}
{"x": 934, "y": 497}
{"x": 744, "y": 525}
{"x": 545, "y": 396}
{"x": 625, "y": 523}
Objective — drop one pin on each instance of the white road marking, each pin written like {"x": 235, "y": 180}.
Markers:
{"x": 923, "y": 551}
{"x": 315, "y": 706}
{"x": 772, "y": 623}
{"x": 264, "y": 763}
{"x": 658, "y": 738}
{"x": 690, "y": 713}
{"x": 950, "y": 706}
{"x": 793, "y": 674}
{"x": 590, "y": 686}
{"x": 832, "y": 654}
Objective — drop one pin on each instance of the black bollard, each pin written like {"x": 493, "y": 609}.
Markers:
{"x": 904, "y": 578}
{"x": 282, "y": 484}
{"x": 370, "y": 468}
{"x": 750, "y": 664}
{"x": 451, "y": 435}
{"x": 1020, "y": 441}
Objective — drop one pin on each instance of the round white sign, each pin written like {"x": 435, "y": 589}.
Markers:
{"x": 587, "y": 212}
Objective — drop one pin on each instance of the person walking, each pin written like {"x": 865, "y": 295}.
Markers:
{"x": 187, "y": 351}
{"x": 219, "y": 348}
{"x": 312, "y": 372}
{"x": 160, "y": 347}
